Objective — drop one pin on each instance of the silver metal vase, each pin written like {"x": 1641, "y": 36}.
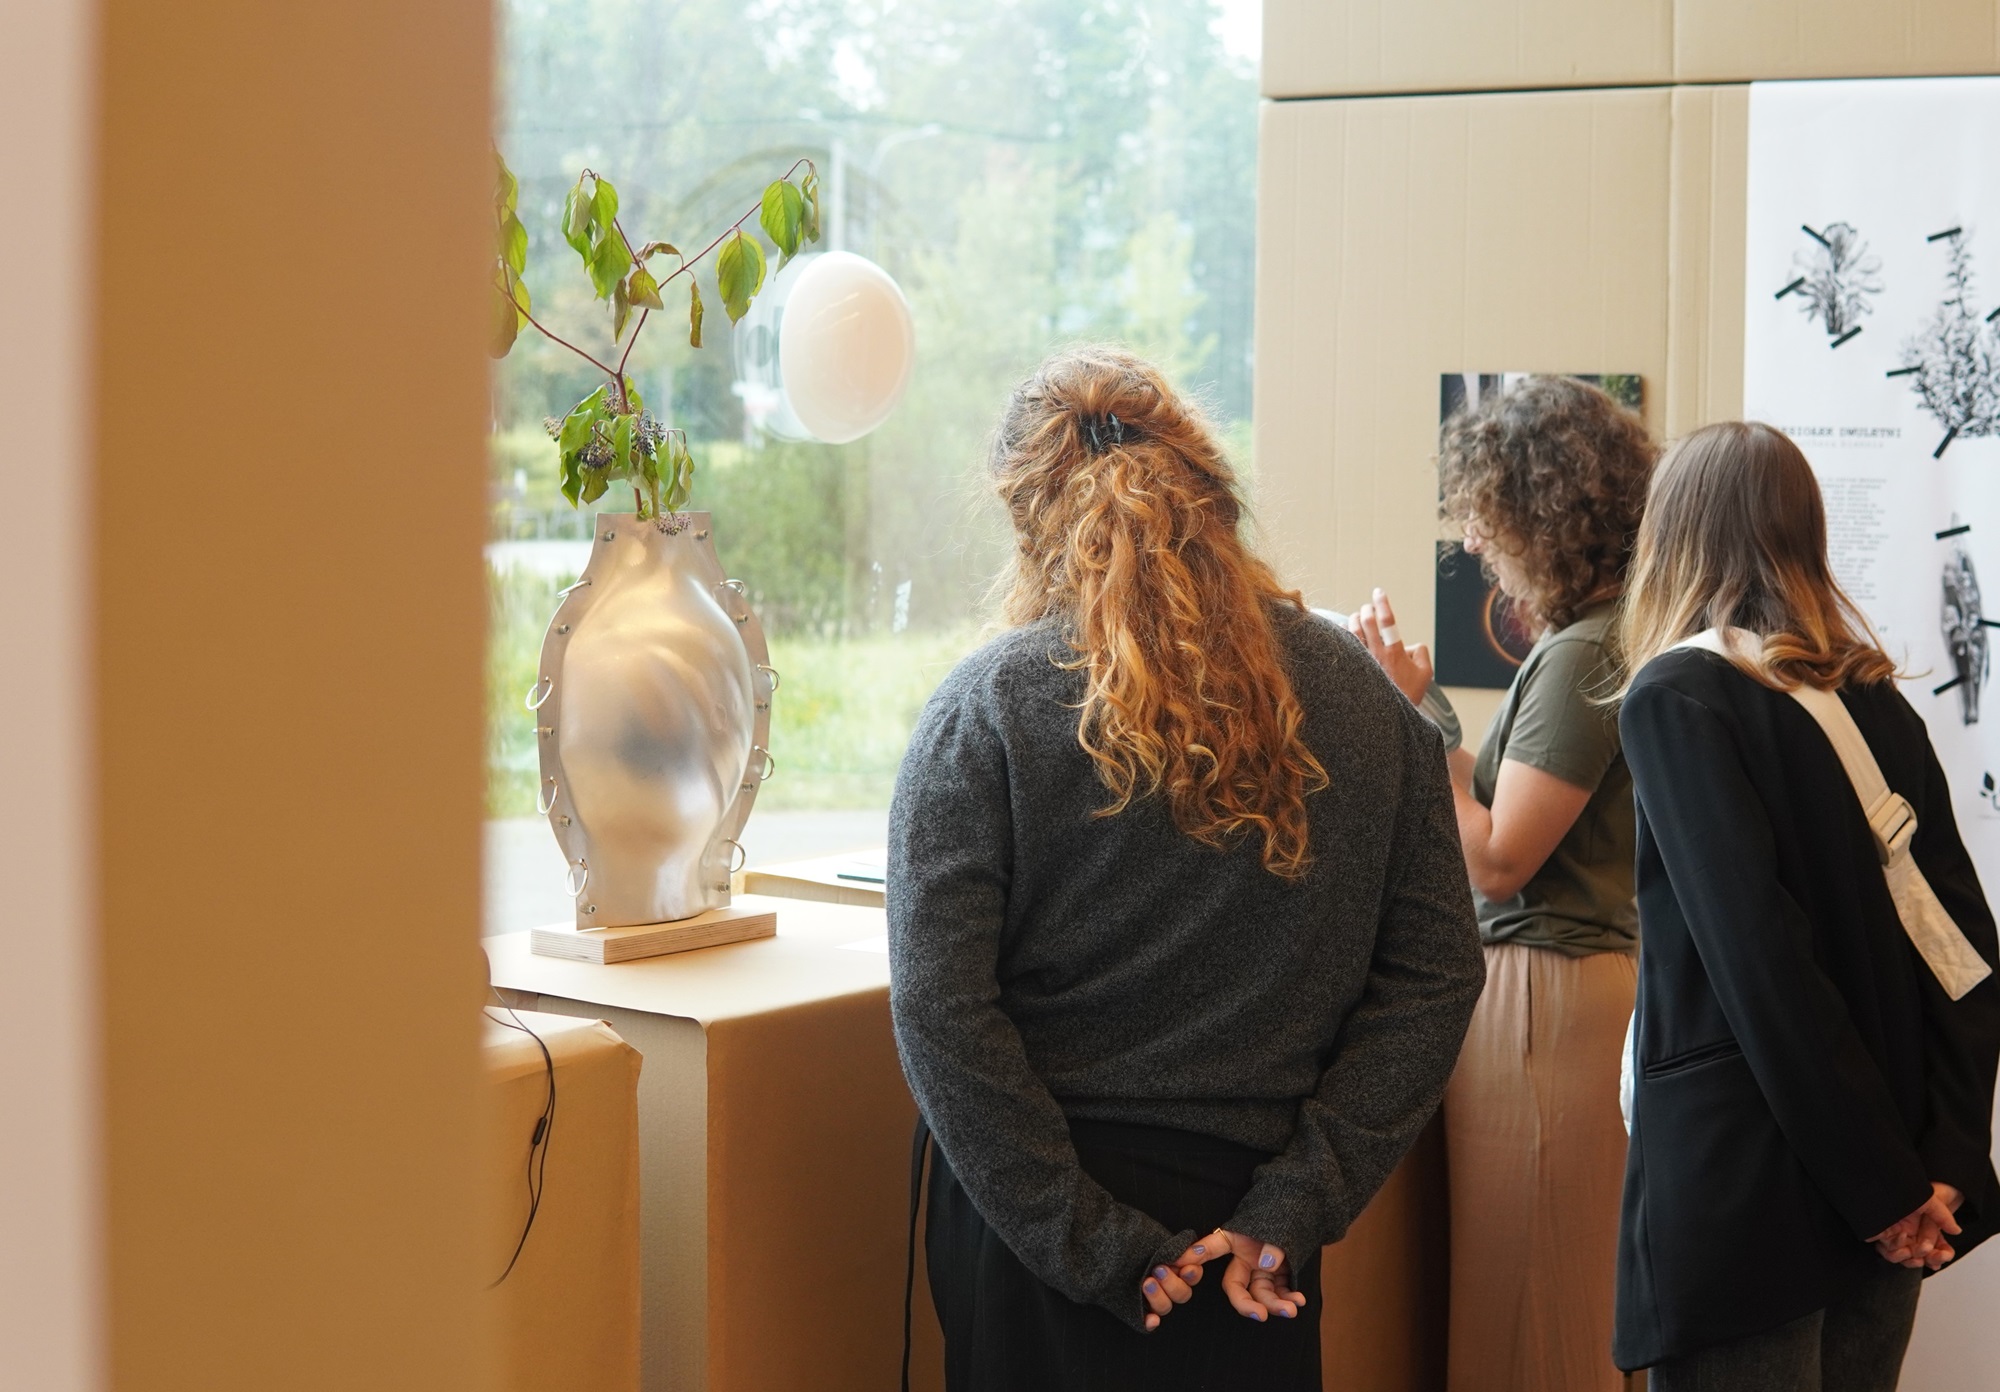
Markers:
{"x": 653, "y": 710}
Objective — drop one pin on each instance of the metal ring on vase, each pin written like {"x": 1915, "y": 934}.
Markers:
{"x": 543, "y": 804}
{"x": 577, "y": 886}
{"x": 545, "y": 687}
{"x": 743, "y": 593}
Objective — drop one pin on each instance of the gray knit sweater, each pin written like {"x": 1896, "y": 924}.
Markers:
{"x": 1047, "y": 963}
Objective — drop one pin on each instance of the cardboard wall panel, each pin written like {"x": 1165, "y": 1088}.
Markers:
{"x": 1744, "y": 40}
{"x": 1325, "y": 48}
{"x": 1400, "y": 239}
{"x": 288, "y": 412}
{"x": 1705, "y": 257}
{"x": 1317, "y": 48}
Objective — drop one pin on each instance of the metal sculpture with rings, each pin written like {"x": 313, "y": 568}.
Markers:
{"x": 655, "y": 683}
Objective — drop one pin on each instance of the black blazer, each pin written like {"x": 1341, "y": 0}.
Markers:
{"x": 1802, "y": 1077}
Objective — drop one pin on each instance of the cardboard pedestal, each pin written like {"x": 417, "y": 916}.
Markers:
{"x": 774, "y": 1148}
{"x": 568, "y": 1313}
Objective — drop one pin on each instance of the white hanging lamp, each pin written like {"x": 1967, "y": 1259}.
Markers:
{"x": 846, "y": 345}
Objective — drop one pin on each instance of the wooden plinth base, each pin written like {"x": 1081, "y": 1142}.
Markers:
{"x": 607, "y": 945}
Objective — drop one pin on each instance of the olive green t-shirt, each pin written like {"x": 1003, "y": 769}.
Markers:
{"x": 1580, "y": 901}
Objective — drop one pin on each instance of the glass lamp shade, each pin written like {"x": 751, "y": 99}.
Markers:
{"x": 846, "y": 345}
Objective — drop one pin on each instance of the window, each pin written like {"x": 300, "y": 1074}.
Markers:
{"x": 1032, "y": 172}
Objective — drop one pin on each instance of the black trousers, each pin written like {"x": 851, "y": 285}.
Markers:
{"x": 1005, "y": 1331}
{"x": 1855, "y": 1345}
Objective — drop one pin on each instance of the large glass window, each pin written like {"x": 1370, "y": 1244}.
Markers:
{"x": 1032, "y": 172}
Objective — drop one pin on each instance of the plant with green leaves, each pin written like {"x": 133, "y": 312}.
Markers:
{"x": 609, "y": 436}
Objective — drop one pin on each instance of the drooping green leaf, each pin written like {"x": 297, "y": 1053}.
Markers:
{"x": 579, "y": 220}
{"x": 607, "y": 205}
{"x": 506, "y": 188}
{"x": 621, "y": 310}
{"x": 809, "y": 189}
{"x": 694, "y": 314}
{"x": 739, "y": 274}
{"x": 504, "y": 325}
{"x": 595, "y": 481}
{"x": 783, "y": 217}
{"x": 652, "y": 249}
{"x": 681, "y": 477}
{"x": 609, "y": 263}
{"x": 642, "y": 290}
{"x": 523, "y": 306}
{"x": 572, "y": 477}
{"x": 621, "y": 446}
{"x": 575, "y": 432}
{"x": 513, "y": 243}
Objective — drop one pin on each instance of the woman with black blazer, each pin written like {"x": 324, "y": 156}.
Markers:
{"x": 1812, "y": 1110}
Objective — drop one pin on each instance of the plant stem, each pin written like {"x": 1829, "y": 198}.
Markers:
{"x": 557, "y": 338}
{"x": 688, "y": 263}
{"x": 617, "y": 374}
{"x": 632, "y": 343}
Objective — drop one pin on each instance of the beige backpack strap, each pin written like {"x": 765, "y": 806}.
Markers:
{"x": 1893, "y": 823}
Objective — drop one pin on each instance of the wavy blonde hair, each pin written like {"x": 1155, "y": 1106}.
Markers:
{"x": 1735, "y": 537}
{"x": 1126, "y": 518}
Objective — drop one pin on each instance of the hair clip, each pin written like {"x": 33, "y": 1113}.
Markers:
{"x": 1103, "y": 432}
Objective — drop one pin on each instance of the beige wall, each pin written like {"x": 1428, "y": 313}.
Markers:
{"x": 1403, "y": 238}
{"x": 48, "y": 1205}
{"x": 250, "y": 241}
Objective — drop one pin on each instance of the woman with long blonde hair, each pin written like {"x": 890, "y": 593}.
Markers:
{"x": 1180, "y": 942}
{"x": 1813, "y": 1053}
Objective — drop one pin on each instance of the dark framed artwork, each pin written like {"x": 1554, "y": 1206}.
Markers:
{"x": 1481, "y": 641}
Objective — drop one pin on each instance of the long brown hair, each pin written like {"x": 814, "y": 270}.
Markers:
{"x": 1553, "y": 471}
{"x": 1735, "y": 537}
{"x": 1126, "y": 517}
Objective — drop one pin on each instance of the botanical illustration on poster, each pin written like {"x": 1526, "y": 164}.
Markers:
{"x": 1480, "y": 640}
{"x": 1872, "y": 337}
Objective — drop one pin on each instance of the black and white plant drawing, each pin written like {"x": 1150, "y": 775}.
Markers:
{"x": 1953, "y": 362}
{"x": 1962, "y": 621}
{"x": 1838, "y": 276}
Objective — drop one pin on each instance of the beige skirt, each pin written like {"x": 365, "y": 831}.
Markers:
{"x": 1536, "y": 1155}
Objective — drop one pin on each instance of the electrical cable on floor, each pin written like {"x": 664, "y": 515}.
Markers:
{"x": 538, "y": 1142}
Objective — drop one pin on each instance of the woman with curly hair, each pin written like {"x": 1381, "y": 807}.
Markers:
{"x": 1180, "y": 946}
{"x": 1547, "y": 481}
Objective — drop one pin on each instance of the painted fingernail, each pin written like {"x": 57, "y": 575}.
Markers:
{"x": 1161, "y": 1272}
{"x": 1199, "y": 1249}
{"x": 1267, "y": 1261}
{"x": 1152, "y": 1288}
{"x": 1288, "y": 1312}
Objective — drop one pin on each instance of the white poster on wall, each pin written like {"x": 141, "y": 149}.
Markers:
{"x": 1872, "y": 337}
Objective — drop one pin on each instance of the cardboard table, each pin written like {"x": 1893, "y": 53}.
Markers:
{"x": 774, "y": 1142}
{"x": 567, "y": 1316}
